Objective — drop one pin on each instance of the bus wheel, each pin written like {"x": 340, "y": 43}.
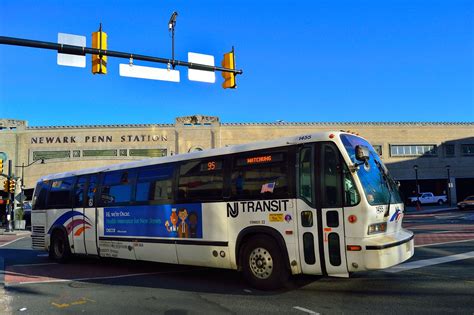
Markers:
{"x": 59, "y": 249}
{"x": 262, "y": 263}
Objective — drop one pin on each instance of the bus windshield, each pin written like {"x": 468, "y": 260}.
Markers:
{"x": 379, "y": 187}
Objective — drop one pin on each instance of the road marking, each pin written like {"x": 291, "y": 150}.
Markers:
{"x": 429, "y": 262}
{"x": 34, "y": 265}
{"x": 12, "y": 241}
{"x": 443, "y": 243}
{"x": 60, "y": 305}
{"x": 103, "y": 278}
{"x": 299, "y": 308}
{"x": 78, "y": 302}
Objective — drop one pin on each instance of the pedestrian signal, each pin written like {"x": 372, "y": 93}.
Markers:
{"x": 229, "y": 77}
{"x": 12, "y": 186}
{"x": 99, "y": 62}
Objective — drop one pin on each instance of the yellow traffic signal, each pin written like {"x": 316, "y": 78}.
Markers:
{"x": 5, "y": 186}
{"x": 12, "y": 185}
{"x": 1, "y": 166}
{"x": 229, "y": 77}
{"x": 99, "y": 62}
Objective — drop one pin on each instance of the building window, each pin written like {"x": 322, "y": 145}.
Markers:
{"x": 48, "y": 155}
{"x": 467, "y": 149}
{"x": 148, "y": 152}
{"x": 86, "y": 153}
{"x": 414, "y": 150}
{"x": 449, "y": 150}
{"x": 378, "y": 149}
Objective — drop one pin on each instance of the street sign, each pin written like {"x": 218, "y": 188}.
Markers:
{"x": 68, "y": 59}
{"x": 20, "y": 197}
{"x": 201, "y": 75}
{"x": 133, "y": 71}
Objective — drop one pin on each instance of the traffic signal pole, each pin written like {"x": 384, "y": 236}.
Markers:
{"x": 82, "y": 51}
{"x": 10, "y": 198}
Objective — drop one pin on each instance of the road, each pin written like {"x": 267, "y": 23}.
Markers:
{"x": 438, "y": 279}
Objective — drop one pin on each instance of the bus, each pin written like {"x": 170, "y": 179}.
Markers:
{"x": 317, "y": 204}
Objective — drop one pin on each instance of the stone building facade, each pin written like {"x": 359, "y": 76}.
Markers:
{"x": 435, "y": 148}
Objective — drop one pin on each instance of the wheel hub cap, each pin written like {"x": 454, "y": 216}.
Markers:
{"x": 261, "y": 263}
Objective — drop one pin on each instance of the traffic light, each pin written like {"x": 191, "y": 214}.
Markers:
{"x": 229, "y": 77}
{"x": 99, "y": 62}
{"x": 1, "y": 166}
{"x": 12, "y": 186}
{"x": 5, "y": 186}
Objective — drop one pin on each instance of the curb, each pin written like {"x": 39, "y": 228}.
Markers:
{"x": 18, "y": 232}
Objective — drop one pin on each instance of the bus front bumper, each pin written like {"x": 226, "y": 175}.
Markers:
{"x": 384, "y": 251}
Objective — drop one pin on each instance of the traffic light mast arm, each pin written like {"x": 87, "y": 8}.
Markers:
{"x": 82, "y": 51}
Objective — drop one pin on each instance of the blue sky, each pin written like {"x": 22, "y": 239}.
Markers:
{"x": 303, "y": 61}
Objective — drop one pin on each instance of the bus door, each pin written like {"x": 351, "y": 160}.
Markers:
{"x": 330, "y": 201}
{"x": 84, "y": 220}
{"x": 307, "y": 218}
{"x": 91, "y": 214}
{"x": 77, "y": 225}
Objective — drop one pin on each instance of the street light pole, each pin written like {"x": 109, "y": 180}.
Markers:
{"x": 415, "y": 167}
{"x": 449, "y": 185}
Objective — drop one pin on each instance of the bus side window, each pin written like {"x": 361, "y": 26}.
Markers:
{"x": 60, "y": 193}
{"x": 155, "y": 184}
{"x": 260, "y": 175}
{"x": 39, "y": 200}
{"x": 331, "y": 176}
{"x": 117, "y": 187}
{"x": 351, "y": 195}
{"x": 91, "y": 190}
{"x": 201, "y": 180}
{"x": 305, "y": 179}
{"x": 79, "y": 192}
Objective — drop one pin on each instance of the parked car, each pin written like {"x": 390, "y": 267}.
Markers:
{"x": 466, "y": 203}
{"x": 429, "y": 197}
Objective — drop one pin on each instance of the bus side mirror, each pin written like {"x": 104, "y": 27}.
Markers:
{"x": 362, "y": 153}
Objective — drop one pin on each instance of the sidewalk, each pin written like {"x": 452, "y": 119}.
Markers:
{"x": 14, "y": 232}
{"x": 429, "y": 209}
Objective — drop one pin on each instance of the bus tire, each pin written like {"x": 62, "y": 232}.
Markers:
{"x": 59, "y": 249}
{"x": 262, "y": 263}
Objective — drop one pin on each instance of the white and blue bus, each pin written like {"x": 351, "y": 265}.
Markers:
{"x": 320, "y": 204}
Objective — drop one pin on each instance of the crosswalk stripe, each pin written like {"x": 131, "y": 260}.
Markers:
{"x": 429, "y": 262}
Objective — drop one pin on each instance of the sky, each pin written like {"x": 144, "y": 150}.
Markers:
{"x": 302, "y": 61}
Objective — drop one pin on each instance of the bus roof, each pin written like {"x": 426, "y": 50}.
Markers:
{"x": 280, "y": 142}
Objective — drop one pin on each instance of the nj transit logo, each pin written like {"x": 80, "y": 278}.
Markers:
{"x": 396, "y": 216}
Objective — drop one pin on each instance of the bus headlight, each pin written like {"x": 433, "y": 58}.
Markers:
{"x": 377, "y": 228}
